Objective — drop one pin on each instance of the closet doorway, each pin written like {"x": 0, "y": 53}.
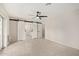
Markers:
{"x": 30, "y": 30}
{"x": 34, "y": 30}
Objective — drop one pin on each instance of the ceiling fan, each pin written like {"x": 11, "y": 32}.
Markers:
{"x": 38, "y": 13}
{"x": 39, "y": 16}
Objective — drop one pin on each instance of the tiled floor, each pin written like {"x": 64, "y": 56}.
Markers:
{"x": 38, "y": 48}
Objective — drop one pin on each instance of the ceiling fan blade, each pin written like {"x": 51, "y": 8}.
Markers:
{"x": 42, "y": 16}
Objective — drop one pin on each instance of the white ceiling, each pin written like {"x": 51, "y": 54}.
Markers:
{"x": 25, "y": 10}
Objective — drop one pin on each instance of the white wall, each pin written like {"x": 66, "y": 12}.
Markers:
{"x": 63, "y": 26}
{"x": 5, "y": 19}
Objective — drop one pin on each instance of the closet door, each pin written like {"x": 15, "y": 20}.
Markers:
{"x": 1, "y": 34}
{"x": 21, "y": 30}
{"x": 34, "y": 31}
{"x": 40, "y": 31}
{"x": 13, "y": 31}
